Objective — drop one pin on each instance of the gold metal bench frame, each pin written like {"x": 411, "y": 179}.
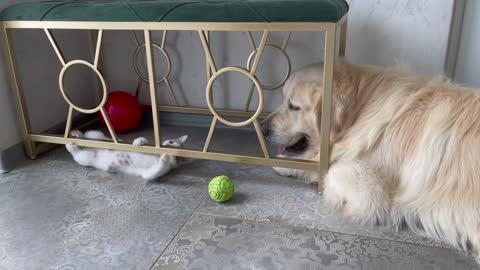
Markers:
{"x": 36, "y": 144}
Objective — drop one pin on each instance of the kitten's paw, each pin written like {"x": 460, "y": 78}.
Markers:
{"x": 76, "y": 134}
{"x": 283, "y": 171}
{"x": 140, "y": 141}
{"x": 164, "y": 158}
{"x": 72, "y": 147}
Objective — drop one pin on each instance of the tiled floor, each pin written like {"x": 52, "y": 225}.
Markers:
{"x": 55, "y": 214}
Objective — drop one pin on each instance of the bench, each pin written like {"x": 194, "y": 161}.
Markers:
{"x": 201, "y": 16}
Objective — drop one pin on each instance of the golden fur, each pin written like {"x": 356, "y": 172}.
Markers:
{"x": 405, "y": 149}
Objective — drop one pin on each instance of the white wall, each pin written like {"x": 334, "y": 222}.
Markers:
{"x": 39, "y": 69}
{"x": 468, "y": 67}
{"x": 10, "y": 134}
{"x": 188, "y": 65}
{"x": 380, "y": 32}
{"x": 415, "y": 32}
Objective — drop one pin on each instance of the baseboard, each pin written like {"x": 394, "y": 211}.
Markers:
{"x": 11, "y": 157}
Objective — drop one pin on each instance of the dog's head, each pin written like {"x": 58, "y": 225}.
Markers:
{"x": 295, "y": 125}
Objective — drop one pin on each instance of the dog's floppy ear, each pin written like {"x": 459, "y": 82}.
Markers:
{"x": 343, "y": 101}
{"x": 338, "y": 117}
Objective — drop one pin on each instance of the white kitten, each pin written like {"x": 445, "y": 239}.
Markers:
{"x": 139, "y": 164}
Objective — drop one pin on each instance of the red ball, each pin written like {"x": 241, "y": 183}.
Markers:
{"x": 123, "y": 110}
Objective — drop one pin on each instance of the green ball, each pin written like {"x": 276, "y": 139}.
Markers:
{"x": 221, "y": 188}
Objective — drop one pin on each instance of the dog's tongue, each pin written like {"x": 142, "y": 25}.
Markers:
{"x": 280, "y": 150}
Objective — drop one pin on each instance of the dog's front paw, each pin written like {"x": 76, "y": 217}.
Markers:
{"x": 76, "y": 134}
{"x": 72, "y": 147}
{"x": 283, "y": 171}
{"x": 140, "y": 141}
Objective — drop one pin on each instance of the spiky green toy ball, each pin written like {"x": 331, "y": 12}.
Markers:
{"x": 220, "y": 188}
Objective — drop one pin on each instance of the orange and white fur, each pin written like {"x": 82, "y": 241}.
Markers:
{"x": 138, "y": 164}
{"x": 405, "y": 150}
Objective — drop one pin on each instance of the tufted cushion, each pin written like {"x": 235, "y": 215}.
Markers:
{"x": 179, "y": 11}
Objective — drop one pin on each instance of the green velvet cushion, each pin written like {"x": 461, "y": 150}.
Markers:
{"x": 179, "y": 11}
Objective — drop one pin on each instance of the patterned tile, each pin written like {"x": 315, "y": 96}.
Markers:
{"x": 261, "y": 195}
{"x": 57, "y": 154}
{"x": 209, "y": 242}
{"x": 58, "y": 215}
{"x": 55, "y": 214}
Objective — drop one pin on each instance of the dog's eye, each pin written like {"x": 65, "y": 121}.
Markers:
{"x": 293, "y": 107}
{"x": 171, "y": 142}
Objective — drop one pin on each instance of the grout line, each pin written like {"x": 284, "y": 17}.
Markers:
{"x": 48, "y": 160}
{"x": 178, "y": 231}
{"x": 276, "y": 223}
{"x": 338, "y": 232}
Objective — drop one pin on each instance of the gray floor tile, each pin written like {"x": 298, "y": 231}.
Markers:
{"x": 262, "y": 195}
{"x": 55, "y": 214}
{"x": 58, "y": 154}
{"x": 209, "y": 242}
{"x": 58, "y": 215}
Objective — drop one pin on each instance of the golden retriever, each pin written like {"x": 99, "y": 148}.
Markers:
{"x": 405, "y": 150}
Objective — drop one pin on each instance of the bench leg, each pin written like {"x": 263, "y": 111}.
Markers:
{"x": 329, "y": 62}
{"x": 17, "y": 87}
{"x": 152, "y": 85}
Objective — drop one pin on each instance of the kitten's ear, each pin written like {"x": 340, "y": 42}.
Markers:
{"x": 183, "y": 139}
